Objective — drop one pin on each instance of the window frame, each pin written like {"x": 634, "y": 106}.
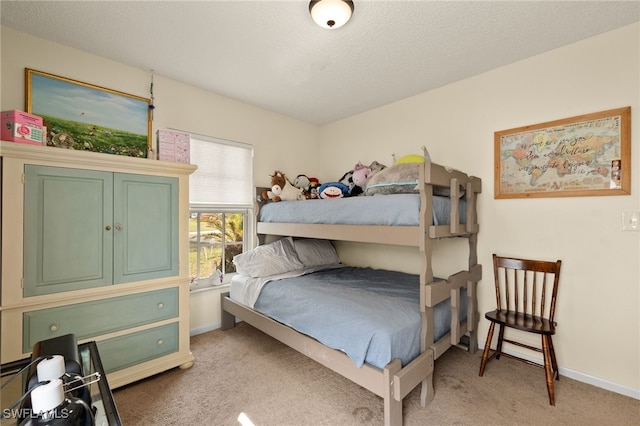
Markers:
{"x": 198, "y": 281}
{"x": 220, "y": 207}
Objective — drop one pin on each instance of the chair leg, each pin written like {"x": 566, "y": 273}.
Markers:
{"x": 487, "y": 348}
{"x": 500, "y": 339}
{"x": 554, "y": 362}
{"x": 548, "y": 373}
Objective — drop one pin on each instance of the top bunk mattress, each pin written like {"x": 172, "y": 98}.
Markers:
{"x": 388, "y": 210}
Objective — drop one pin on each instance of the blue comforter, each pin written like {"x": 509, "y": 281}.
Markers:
{"x": 390, "y": 210}
{"x": 371, "y": 315}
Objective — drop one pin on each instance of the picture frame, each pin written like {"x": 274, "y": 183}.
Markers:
{"x": 83, "y": 116}
{"x": 585, "y": 155}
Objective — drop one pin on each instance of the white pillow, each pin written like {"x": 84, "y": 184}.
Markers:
{"x": 313, "y": 252}
{"x": 274, "y": 258}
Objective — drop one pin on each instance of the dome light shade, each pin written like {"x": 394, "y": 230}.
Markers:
{"x": 331, "y": 13}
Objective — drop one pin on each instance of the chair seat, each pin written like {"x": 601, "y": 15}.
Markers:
{"x": 520, "y": 321}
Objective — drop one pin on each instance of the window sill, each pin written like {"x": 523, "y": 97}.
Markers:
{"x": 196, "y": 289}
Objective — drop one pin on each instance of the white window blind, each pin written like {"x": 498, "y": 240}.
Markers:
{"x": 224, "y": 177}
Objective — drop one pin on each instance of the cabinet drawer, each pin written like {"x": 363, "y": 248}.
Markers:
{"x": 125, "y": 351}
{"x": 91, "y": 319}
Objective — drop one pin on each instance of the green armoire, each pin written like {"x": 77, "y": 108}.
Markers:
{"x": 96, "y": 245}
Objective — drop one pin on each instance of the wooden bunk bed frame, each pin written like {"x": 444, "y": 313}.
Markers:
{"x": 393, "y": 382}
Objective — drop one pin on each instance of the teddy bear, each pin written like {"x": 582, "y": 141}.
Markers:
{"x": 282, "y": 189}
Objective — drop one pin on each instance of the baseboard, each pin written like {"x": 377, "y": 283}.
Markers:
{"x": 579, "y": 376}
{"x": 204, "y": 328}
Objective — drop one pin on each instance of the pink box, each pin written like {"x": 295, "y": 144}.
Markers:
{"x": 173, "y": 146}
{"x": 19, "y": 126}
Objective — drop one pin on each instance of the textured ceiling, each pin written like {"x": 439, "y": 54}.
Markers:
{"x": 272, "y": 55}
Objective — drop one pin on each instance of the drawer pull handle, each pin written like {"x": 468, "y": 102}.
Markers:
{"x": 160, "y": 305}
{"x": 160, "y": 342}
{"x": 108, "y": 228}
{"x": 118, "y": 228}
{"x": 54, "y": 327}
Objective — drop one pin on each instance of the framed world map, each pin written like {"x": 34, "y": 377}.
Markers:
{"x": 585, "y": 155}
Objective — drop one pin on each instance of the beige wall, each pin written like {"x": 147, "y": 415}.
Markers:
{"x": 276, "y": 139}
{"x": 179, "y": 106}
{"x": 598, "y": 311}
{"x": 599, "y": 300}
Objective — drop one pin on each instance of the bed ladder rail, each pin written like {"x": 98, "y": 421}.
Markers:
{"x": 436, "y": 175}
{"x": 439, "y": 291}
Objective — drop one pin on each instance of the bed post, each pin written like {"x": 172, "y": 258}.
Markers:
{"x": 427, "y": 392}
{"x": 473, "y": 188}
{"x": 426, "y": 272}
{"x": 473, "y": 316}
{"x": 228, "y": 320}
{"x": 260, "y": 201}
{"x": 392, "y": 403}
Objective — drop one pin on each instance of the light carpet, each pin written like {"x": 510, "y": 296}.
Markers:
{"x": 245, "y": 372}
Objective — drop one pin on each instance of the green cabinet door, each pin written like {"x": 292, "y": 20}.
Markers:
{"x": 85, "y": 228}
{"x": 145, "y": 227}
{"x": 67, "y": 238}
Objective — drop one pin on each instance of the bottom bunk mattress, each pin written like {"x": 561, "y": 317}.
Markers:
{"x": 371, "y": 315}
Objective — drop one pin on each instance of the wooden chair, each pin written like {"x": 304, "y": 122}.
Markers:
{"x": 526, "y": 300}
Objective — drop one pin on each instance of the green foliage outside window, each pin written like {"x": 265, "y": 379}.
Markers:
{"x": 214, "y": 238}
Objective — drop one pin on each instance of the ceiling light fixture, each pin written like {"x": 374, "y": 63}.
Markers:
{"x": 331, "y": 13}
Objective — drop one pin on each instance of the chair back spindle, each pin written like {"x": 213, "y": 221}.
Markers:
{"x": 525, "y": 286}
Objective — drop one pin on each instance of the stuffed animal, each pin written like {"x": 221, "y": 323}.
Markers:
{"x": 314, "y": 184}
{"x": 357, "y": 178}
{"x": 309, "y": 186}
{"x": 375, "y": 168}
{"x": 302, "y": 182}
{"x": 347, "y": 180}
{"x": 276, "y": 179}
{"x": 413, "y": 158}
{"x": 282, "y": 189}
{"x": 332, "y": 190}
{"x": 360, "y": 175}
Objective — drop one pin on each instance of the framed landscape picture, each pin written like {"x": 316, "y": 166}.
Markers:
{"x": 82, "y": 116}
{"x": 585, "y": 155}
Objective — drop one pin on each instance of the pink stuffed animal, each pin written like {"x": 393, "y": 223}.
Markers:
{"x": 361, "y": 175}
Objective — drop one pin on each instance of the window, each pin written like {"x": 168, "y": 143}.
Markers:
{"x": 220, "y": 207}
{"x": 215, "y": 238}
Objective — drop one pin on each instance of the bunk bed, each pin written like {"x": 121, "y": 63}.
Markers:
{"x": 397, "y": 378}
